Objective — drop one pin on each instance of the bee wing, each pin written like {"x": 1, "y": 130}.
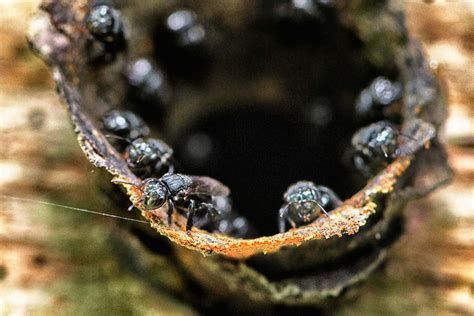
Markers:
{"x": 208, "y": 186}
{"x": 416, "y": 134}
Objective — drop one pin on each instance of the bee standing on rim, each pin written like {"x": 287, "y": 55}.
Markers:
{"x": 189, "y": 195}
{"x": 380, "y": 143}
{"x": 379, "y": 100}
{"x": 106, "y": 28}
{"x": 148, "y": 156}
{"x": 304, "y": 202}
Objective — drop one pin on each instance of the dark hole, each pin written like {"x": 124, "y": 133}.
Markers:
{"x": 258, "y": 154}
{"x": 259, "y": 148}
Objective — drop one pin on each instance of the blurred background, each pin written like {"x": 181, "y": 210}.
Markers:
{"x": 54, "y": 259}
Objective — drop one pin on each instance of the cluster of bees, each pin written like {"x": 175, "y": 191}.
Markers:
{"x": 204, "y": 201}
{"x": 374, "y": 146}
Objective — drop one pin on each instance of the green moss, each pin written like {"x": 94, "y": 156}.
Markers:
{"x": 97, "y": 281}
{"x": 385, "y": 295}
{"x": 114, "y": 294}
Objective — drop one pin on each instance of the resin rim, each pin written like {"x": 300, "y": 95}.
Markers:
{"x": 60, "y": 46}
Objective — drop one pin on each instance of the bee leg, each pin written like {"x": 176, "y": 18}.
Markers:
{"x": 213, "y": 214}
{"x": 191, "y": 211}
{"x": 161, "y": 164}
{"x": 292, "y": 223}
{"x": 170, "y": 211}
{"x": 282, "y": 215}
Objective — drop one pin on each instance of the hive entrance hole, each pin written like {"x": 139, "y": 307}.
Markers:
{"x": 258, "y": 153}
{"x": 316, "y": 68}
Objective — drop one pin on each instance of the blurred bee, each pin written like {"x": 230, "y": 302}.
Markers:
{"x": 106, "y": 27}
{"x": 228, "y": 222}
{"x": 184, "y": 25}
{"x": 235, "y": 226}
{"x": 376, "y": 100}
{"x": 150, "y": 82}
{"x": 305, "y": 202}
{"x": 191, "y": 196}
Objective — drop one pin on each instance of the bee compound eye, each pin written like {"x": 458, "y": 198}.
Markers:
{"x": 154, "y": 194}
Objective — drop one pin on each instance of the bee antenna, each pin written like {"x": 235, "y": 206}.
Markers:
{"x": 384, "y": 151}
{"x": 116, "y": 181}
{"x": 322, "y": 208}
{"x": 119, "y": 138}
{"x": 141, "y": 157}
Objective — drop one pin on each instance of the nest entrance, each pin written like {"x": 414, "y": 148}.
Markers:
{"x": 258, "y": 154}
{"x": 273, "y": 103}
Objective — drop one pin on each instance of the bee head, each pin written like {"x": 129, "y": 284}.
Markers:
{"x": 140, "y": 152}
{"x": 155, "y": 194}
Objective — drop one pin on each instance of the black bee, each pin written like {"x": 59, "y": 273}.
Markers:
{"x": 144, "y": 155}
{"x": 149, "y": 156}
{"x": 380, "y": 143}
{"x": 374, "y": 147}
{"x": 122, "y": 127}
{"x": 190, "y": 195}
{"x": 235, "y": 226}
{"x": 124, "y": 124}
{"x": 181, "y": 47}
{"x": 227, "y": 221}
{"x": 376, "y": 100}
{"x": 105, "y": 25}
{"x": 304, "y": 202}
